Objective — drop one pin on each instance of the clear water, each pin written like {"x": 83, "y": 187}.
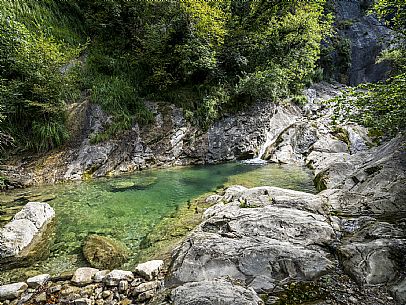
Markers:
{"x": 128, "y": 208}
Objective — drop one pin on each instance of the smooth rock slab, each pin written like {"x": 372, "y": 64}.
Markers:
{"x": 36, "y": 281}
{"x": 149, "y": 269}
{"x": 205, "y": 257}
{"x": 267, "y": 195}
{"x": 12, "y": 291}
{"x": 260, "y": 246}
{"x": 84, "y": 276}
{"x": 216, "y": 292}
{"x": 280, "y": 223}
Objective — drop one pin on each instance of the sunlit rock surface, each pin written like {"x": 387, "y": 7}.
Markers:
{"x": 27, "y": 237}
{"x": 266, "y": 237}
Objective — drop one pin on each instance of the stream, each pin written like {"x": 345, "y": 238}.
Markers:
{"x": 128, "y": 208}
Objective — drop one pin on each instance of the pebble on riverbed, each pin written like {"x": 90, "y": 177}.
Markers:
{"x": 87, "y": 286}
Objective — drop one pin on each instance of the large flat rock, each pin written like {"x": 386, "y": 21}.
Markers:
{"x": 261, "y": 246}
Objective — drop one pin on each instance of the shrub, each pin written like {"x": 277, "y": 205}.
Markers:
{"x": 32, "y": 87}
{"x": 380, "y": 106}
{"x": 264, "y": 85}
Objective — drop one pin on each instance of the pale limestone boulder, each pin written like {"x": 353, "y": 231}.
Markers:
{"x": 115, "y": 276}
{"x": 83, "y": 276}
{"x": 28, "y": 236}
{"x": 39, "y": 280}
{"x": 149, "y": 269}
{"x": 15, "y": 236}
{"x": 12, "y": 291}
{"x": 39, "y": 213}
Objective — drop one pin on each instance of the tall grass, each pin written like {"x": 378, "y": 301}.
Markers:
{"x": 36, "y": 39}
{"x": 48, "y": 135}
{"x": 52, "y": 18}
{"x": 113, "y": 83}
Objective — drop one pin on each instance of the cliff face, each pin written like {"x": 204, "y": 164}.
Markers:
{"x": 367, "y": 37}
{"x": 289, "y": 132}
{"x": 169, "y": 140}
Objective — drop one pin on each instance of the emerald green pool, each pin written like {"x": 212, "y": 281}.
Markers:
{"x": 128, "y": 208}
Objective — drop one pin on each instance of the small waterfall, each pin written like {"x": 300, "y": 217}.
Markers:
{"x": 258, "y": 159}
{"x": 270, "y": 138}
{"x": 280, "y": 120}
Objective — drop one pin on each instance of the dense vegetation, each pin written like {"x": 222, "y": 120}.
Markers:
{"x": 209, "y": 57}
{"x": 36, "y": 40}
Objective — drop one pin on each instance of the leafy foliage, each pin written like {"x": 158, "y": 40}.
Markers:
{"x": 252, "y": 50}
{"x": 209, "y": 57}
{"x": 381, "y": 106}
{"x": 394, "y": 13}
{"x": 31, "y": 84}
{"x": 336, "y": 58}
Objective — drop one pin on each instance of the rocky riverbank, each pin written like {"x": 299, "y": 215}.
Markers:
{"x": 88, "y": 286}
{"x": 268, "y": 245}
{"x": 289, "y": 133}
{"x": 169, "y": 140}
{"x": 345, "y": 245}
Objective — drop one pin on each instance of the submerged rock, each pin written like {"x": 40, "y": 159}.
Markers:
{"x": 136, "y": 184}
{"x": 104, "y": 252}
{"x": 27, "y": 237}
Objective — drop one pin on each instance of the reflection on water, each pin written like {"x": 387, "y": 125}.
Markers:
{"x": 127, "y": 208}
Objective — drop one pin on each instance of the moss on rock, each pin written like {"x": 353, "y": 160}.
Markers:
{"x": 104, "y": 252}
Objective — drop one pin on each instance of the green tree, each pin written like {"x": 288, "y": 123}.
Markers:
{"x": 209, "y": 57}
